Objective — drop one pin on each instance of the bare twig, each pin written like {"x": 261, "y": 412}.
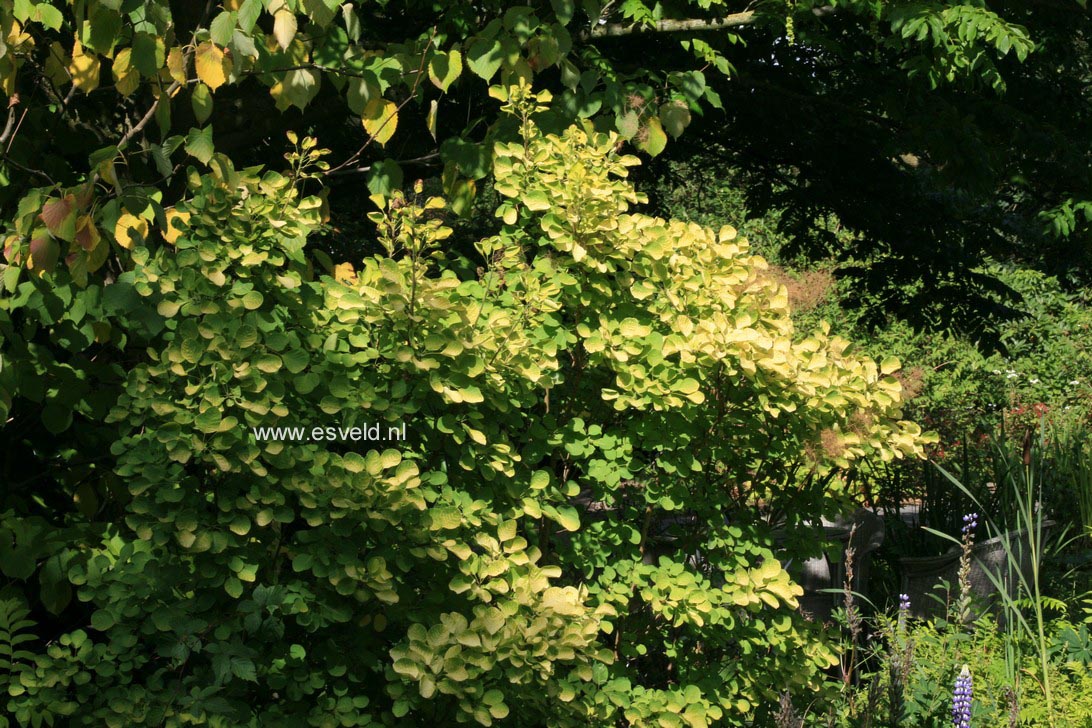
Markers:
{"x": 17, "y": 128}
{"x": 9, "y": 128}
{"x": 368, "y": 167}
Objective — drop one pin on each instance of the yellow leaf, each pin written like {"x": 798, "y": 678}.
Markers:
{"x": 8, "y": 68}
{"x": 212, "y": 65}
{"x": 16, "y": 37}
{"x": 562, "y": 600}
{"x": 284, "y": 27}
{"x": 769, "y": 569}
{"x": 344, "y": 272}
{"x": 380, "y": 119}
{"x": 85, "y": 69}
{"x": 175, "y": 220}
{"x": 130, "y": 230}
{"x": 126, "y": 76}
{"x": 176, "y": 65}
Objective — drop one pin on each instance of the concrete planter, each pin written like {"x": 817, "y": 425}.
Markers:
{"x": 819, "y": 574}
{"x": 923, "y": 576}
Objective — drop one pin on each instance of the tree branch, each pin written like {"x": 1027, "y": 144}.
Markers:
{"x": 686, "y": 25}
{"x": 673, "y": 26}
{"x": 148, "y": 116}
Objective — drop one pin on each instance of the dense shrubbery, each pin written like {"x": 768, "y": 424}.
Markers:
{"x": 606, "y": 374}
{"x": 620, "y": 429}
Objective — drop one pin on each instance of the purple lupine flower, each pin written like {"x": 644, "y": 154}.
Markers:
{"x": 970, "y": 523}
{"x": 961, "y": 699}
{"x": 904, "y": 602}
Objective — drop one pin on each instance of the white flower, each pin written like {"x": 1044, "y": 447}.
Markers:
{"x": 1011, "y": 375}
{"x": 1033, "y": 381}
{"x": 996, "y": 371}
{"x": 1075, "y": 382}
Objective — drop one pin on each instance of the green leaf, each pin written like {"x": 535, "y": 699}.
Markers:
{"x": 570, "y": 74}
{"x": 564, "y": 10}
{"x": 675, "y": 117}
{"x": 49, "y": 16}
{"x": 248, "y": 14}
{"x": 444, "y": 68}
{"x": 57, "y": 417}
{"x": 484, "y": 58}
{"x": 628, "y": 124}
{"x": 360, "y": 91}
{"x": 149, "y": 54}
{"x": 222, "y": 27}
{"x": 385, "y": 177}
{"x": 240, "y": 525}
{"x": 243, "y": 44}
{"x": 536, "y": 200}
{"x": 102, "y": 620}
{"x": 102, "y": 29}
{"x": 105, "y": 154}
{"x": 55, "y": 590}
{"x": 688, "y": 386}
{"x": 201, "y": 100}
{"x": 295, "y": 361}
{"x": 243, "y": 669}
{"x": 473, "y": 160}
{"x": 268, "y": 363}
{"x": 568, "y": 518}
{"x": 297, "y": 88}
{"x": 691, "y": 84}
{"x": 655, "y": 140}
{"x": 321, "y": 12}
{"x": 199, "y": 144}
